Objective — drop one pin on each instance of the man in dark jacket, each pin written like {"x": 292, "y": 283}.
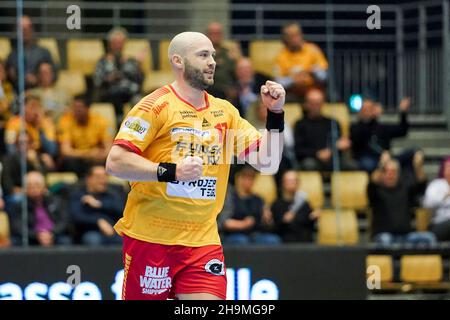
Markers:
{"x": 48, "y": 219}
{"x": 95, "y": 208}
{"x": 370, "y": 138}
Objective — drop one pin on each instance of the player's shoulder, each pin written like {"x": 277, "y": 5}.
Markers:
{"x": 154, "y": 97}
{"x": 218, "y": 104}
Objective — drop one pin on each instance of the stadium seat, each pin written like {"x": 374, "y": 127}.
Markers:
{"x": 292, "y": 113}
{"x": 53, "y": 178}
{"x": 106, "y": 110}
{"x": 83, "y": 54}
{"x": 421, "y": 268}
{"x": 263, "y": 54}
{"x": 139, "y": 49}
{"x": 328, "y": 232}
{"x": 156, "y": 79}
{"x": 5, "y": 48}
{"x": 4, "y": 229}
{"x": 386, "y": 265}
{"x": 423, "y": 217}
{"x": 265, "y": 187}
{"x": 311, "y": 183}
{"x": 349, "y": 190}
{"x": 51, "y": 45}
{"x": 73, "y": 82}
{"x": 340, "y": 113}
{"x": 164, "y": 64}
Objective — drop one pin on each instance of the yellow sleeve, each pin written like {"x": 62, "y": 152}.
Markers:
{"x": 246, "y": 137}
{"x": 319, "y": 57}
{"x": 49, "y": 129}
{"x": 104, "y": 130}
{"x": 139, "y": 128}
{"x": 63, "y": 129}
{"x": 12, "y": 130}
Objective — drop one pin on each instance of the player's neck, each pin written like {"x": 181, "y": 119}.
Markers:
{"x": 194, "y": 96}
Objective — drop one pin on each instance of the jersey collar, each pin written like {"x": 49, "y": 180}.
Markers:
{"x": 189, "y": 104}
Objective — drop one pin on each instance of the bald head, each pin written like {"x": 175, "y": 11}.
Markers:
{"x": 186, "y": 42}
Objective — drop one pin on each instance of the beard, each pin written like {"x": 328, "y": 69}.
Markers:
{"x": 195, "y": 77}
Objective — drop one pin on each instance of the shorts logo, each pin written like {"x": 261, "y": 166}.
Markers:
{"x": 136, "y": 126}
{"x": 156, "y": 280}
{"x": 215, "y": 267}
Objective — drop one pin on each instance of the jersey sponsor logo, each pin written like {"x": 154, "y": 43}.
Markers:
{"x": 188, "y": 114}
{"x": 205, "y": 123}
{"x": 157, "y": 109}
{"x": 215, "y": 267}
{"x": 203, "y": 188}
{"x": 155, "y": 281}
{"x": 196, "y": 132}
{"x": 217, "y": 113}
{"x": 136, "y": 126}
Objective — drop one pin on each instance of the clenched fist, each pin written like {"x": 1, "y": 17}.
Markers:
{"x": 273, "y": 96}
{"x": 189, "y": 169}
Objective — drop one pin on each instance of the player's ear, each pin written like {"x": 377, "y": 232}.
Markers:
{"x": 177, "y": 61}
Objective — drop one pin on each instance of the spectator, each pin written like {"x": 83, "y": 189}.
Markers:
{"x": 48, "y": 219}
{"x": 292, "y": 214}
{"x": 34, "y": 55}
{"x": 40, "y": 128}
{"x": 248, "y": 221}
{"x": 224, "y": 78}
{"x": 314, "y": 138}
{"x": 300, "y": 65}
{"x": 84, "y": 137}
{"x": 54, "y": 100}
{"x": 391, "y": 198}
{"x": 7, "y": 97}
{"x": 370, "y": 138}
{"x": 116, "y": 78}
{"x": 248, "y": 85}
{"x": 96, "y": 208}
{"x": 437, "y": 198}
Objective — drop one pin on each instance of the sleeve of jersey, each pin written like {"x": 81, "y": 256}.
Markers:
{"x": 246, "y": 137}
{"x": 138, "y": 129}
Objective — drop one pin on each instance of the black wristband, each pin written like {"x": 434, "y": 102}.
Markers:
{"x": 166, "y": 172}
{"x": 275, "y": 121}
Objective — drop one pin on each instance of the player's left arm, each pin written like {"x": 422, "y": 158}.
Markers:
{"x": 267, "y": 157}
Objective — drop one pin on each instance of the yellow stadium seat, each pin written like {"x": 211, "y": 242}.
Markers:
{"x": 423, "y": 217}
{"x": 311, "y": 183}
{"x": 292, "y": 113}
{"x": 265, "y": 187}
{"x": 73, "y": 82}
{"x": 340, "y": 113}
{"x": 263, "y": 54}
{"x": 106, "y": 110}
{"x": 156, "y": 79}
{"x": 421, "y": 268}
{"x": 234, "y": 49}
{"x": 385, "y": 264}
{"x": 164, "y": 64}
{"x": 4, "y": 229}
{"x": 5, "y": 48}
{"x": 139, "y": 49}
{"x": 349, "y": 190}
{"x": 53, "y": 178}
{"x": 51, "y": 45}
{"x": 83, "y": 54}
{"x": 332, "y": 232}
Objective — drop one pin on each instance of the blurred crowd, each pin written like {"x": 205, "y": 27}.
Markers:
{"x": 64, "y": 135}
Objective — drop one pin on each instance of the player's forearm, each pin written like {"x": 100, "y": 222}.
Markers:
{"x": 130, "y": 166}
{"x": 267, "y": 159}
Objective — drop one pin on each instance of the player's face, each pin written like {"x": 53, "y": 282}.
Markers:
{"x": 199, "y": 67}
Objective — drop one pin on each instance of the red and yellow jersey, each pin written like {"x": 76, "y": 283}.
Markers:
{"x": 163, "y": 127}
{"x": 288, "y": 63}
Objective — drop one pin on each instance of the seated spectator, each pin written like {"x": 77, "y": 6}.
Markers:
{"x": 12, "y": 171}
{"x": 292, "y": 214}
{"x": 224, "y": 78}
{"x": 370, "y": 138}
{"x": 84, "y": 137}
{"x": 34, "y": 56}
{"x": 301, "y": 65}
{"x": 437, "y": 198}
{"x": 248, "y": 221}
{"x": 54, "y": 100}
{"x": 96, "y": 208}
{"x": 117, "y": 79}
{"x": 314, "y": 137}
{"x": 391, "y": 198}
{"x": 248, "y": 85}
{"x": 48, "y": 219}
{"x": 7, "y": 97}
{"x": 39, "y": 127}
